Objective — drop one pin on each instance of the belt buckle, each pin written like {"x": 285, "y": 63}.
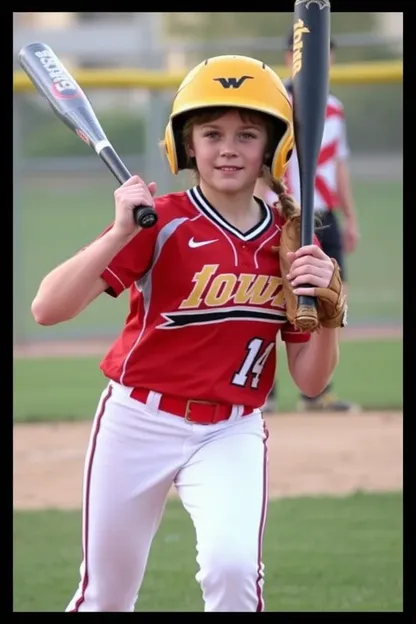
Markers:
{"x": 188, "y": 408}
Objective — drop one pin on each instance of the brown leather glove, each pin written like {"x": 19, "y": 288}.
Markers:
{"x": 331, "y": 301}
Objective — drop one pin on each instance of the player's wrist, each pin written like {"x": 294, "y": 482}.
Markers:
{"x": 118, "y": 238}
{"x": 350, "y": 216}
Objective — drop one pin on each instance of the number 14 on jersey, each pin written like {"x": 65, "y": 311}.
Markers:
{"x": 253, "y": 363}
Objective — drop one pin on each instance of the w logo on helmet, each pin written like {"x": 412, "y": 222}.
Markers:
{"x": 233, "y": 83}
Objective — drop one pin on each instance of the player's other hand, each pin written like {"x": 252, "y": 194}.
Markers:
{"x": 350, "y": 235}
{"x": 132, "y": 193}
{"x": 311, "y": 266}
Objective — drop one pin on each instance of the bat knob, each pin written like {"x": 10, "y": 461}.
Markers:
{"x": 145, "y": 216}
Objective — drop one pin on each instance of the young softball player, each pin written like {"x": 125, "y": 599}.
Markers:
{"x": 196, "y": 357}
{"x": 333, "y": 193}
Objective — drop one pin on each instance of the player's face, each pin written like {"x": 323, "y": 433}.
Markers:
{"x": 229, "y": 151}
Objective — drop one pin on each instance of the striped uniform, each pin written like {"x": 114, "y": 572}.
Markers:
{"x": 334, "y": 147}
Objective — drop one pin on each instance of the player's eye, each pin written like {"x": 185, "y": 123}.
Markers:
{"x": 247, "y": 136}
{"x": 211, "y": 134}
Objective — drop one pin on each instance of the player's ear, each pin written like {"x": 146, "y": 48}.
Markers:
{"x": 263, "y": 168}
{"x": 190, "y": 157}
{"x": 190, "y": 152}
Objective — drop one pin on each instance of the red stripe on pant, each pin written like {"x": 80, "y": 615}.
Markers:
{"x": 100, "y": 415}
{"x": 260, "y": 601}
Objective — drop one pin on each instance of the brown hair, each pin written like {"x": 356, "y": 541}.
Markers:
{"x": 287, "y": 204}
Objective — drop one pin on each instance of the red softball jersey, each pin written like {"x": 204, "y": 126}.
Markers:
{"x": 206, "y": 304}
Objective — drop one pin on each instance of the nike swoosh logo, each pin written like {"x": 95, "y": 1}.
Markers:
{"x": 193, "y": 243}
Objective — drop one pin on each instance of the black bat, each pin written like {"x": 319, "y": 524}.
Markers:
{"x": 71, "y": 105}
{"x": 310, "y": 75}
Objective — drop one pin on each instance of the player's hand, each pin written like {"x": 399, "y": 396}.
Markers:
{"x": 350, "y": 235}
{"x": 309, "y": 265}
{"x": 132, "y": 193}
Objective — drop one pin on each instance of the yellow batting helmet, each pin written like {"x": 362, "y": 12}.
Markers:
{"x": 231, "y": 81}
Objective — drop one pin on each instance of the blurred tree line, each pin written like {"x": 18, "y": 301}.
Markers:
{"x": 204, "y": 28}
{"x": 373, "y": 112}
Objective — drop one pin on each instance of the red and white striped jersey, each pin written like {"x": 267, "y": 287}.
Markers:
{"x": 334, "y": 147}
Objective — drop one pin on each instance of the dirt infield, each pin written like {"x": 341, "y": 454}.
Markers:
{"x": 313, "y": 454}
{"x": 308, "y": 454}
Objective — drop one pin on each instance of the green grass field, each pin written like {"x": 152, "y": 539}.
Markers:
{"x": 56, "y": 217}
{"x": 320, "y": 554}
{"x": 324, "y": 554}
{"x": 327, "y": 554}
{"x": 369, "y": 373}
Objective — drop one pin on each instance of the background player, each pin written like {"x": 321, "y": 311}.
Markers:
{"x": 333, "y": 192}
{"x": 196, "y": 358}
